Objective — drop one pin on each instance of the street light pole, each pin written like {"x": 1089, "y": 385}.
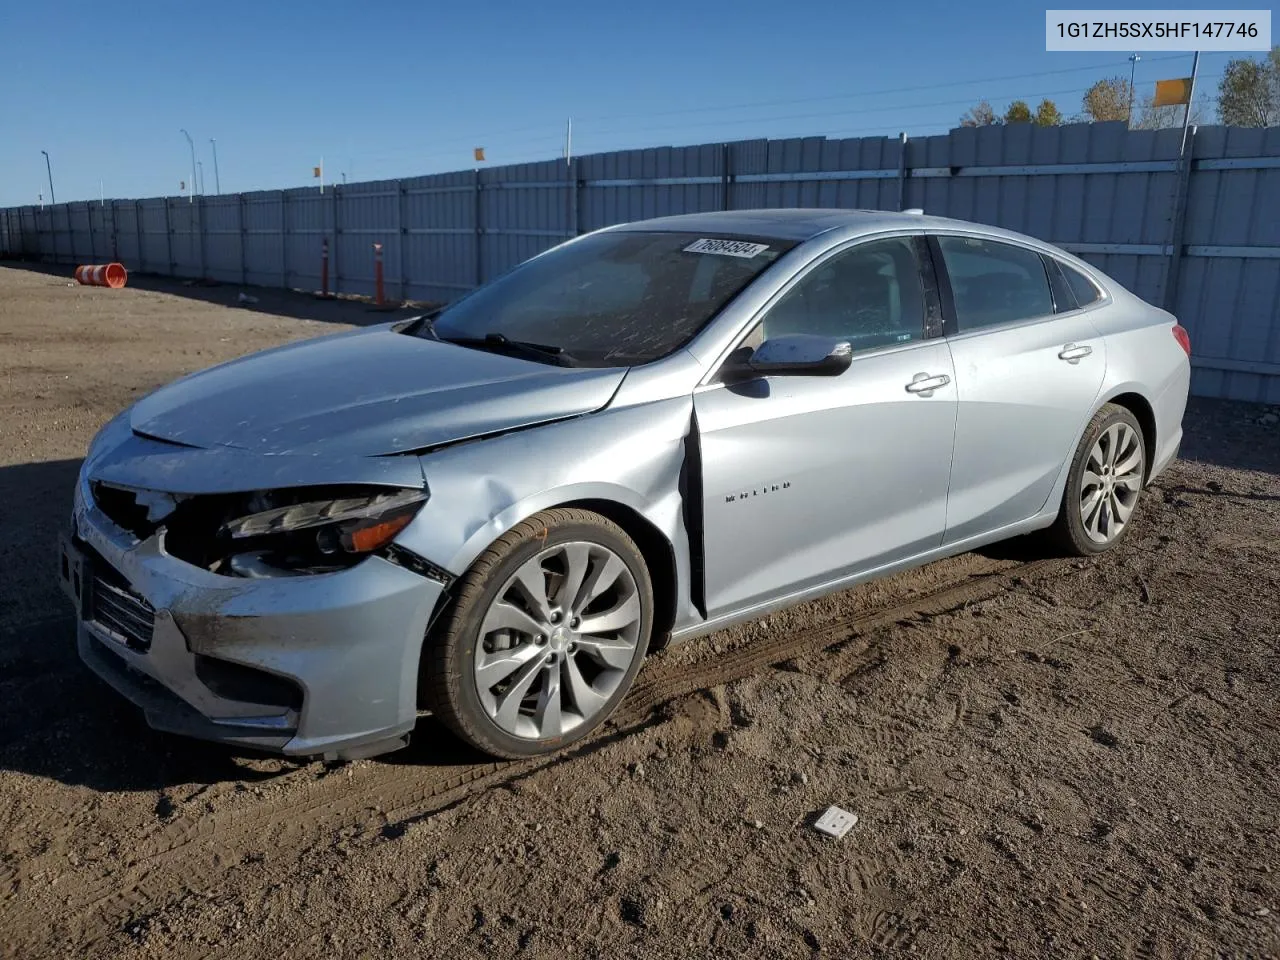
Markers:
{"x": 217, "y": 180}
{"x": 1133, "y": 65}
{"x": 200, "y": 182}
{"x": 191, "y": 197}
{"x": 49, "y": 168}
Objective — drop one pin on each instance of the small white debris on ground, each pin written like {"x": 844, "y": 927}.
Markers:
{"x": 835, "y": 822}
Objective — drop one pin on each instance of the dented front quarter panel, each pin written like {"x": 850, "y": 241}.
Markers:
{"x": 352, "y": 639}
{"x": 630, "y": 454}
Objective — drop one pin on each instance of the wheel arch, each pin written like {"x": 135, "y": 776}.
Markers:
{"x": 659, "y": 557}
{"x": 1133, "y": 400}
{"x": 634, "y": 514}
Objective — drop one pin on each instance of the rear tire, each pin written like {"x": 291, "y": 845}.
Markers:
{"x": 1104, "y": 485}
{"x": 550, "y": 627}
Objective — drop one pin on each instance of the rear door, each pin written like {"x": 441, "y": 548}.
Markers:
{"x": 809, "y": 478}
{"x": 1028, "y": 369}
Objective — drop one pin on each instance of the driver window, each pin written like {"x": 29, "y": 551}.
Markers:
{"x": 869, "y": 295}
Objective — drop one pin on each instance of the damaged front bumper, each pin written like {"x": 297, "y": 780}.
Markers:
{"x": 306, "y": 665}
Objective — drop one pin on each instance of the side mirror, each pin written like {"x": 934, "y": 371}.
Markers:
{"x": 791, "y": 355}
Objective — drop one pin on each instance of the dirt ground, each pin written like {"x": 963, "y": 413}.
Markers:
{"x": 1048, "y": 758}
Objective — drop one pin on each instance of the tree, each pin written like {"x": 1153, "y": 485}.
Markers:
{"x": 1018, "y": 112}
{"x": 1147, "y": 116}
{"x": 1047, "y": 114}
{"x": 979, "y": 116}
{"x": 1249, "y": 92}
{"x": 1108, "y": 100}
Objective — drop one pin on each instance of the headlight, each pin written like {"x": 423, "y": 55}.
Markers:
{"x": 355, "y": 524}
{"x": 296, "y": 531}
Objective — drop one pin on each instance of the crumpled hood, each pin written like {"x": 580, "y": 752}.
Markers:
{"x": 366, "y": 393}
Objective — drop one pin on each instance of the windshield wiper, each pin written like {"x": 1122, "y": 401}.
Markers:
{"x": 503, "y": 343}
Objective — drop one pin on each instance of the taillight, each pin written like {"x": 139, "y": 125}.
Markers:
{"x": 1184, "y": 339}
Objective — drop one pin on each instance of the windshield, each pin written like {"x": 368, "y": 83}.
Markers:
{"x": 611, "y": 299}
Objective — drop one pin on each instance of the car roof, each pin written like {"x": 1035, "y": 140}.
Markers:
{"x": 805, "y": 224}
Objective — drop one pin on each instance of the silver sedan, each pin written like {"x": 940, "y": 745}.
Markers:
{"x": 648, "y": 433}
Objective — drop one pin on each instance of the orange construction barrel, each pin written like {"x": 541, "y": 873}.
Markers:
{"x": 111, "y": 275}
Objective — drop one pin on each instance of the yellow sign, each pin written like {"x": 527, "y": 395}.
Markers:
{"x": 479, "y": 153}
{"x": 1172, "y": 92}
{"x": 315, "y": 172}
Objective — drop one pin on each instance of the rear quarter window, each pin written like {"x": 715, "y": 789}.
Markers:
{"x": 1084, "y": 289}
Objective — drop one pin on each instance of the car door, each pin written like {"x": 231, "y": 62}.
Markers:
{"x": 1028, "y": 369}
{"x": 805, "y": 478}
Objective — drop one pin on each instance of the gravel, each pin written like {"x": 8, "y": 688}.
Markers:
{"x": 1079, "y": 759}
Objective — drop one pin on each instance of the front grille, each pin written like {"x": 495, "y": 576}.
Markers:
{"x": 118, "y": 610}
{"x": 122, "y": 508}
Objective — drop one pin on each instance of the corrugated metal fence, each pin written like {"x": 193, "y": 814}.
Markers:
{"x": 1208, "y": 229}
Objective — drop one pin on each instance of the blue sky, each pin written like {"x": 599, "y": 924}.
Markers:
{"x": 404, "y": 88}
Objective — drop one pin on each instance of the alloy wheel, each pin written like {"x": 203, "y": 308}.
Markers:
{"x": 557, "y": 640}
{"x": 1111, "y": 482}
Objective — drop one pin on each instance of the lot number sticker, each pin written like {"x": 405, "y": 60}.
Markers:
{"x": 727, "y": 248}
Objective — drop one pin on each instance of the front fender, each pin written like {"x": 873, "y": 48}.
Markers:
{"x": 522, "y": 509}
{"x": 631, "y": 456}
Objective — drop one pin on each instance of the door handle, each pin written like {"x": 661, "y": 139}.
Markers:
{"x": 1073, "y": 353}
{"x": 924, "y": 384}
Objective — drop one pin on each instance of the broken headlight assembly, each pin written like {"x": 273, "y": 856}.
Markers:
{"x": 289, "y": 532}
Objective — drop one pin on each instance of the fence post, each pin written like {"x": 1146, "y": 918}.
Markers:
{"x": 402, "y": 235}
{"x": 244, "y": 266}
{"x": 725, "y": 176}
{"x": 168, "y": 236}
{"x": 115, "y": 230}
{"x": 479, "y": 232}
{"x": 284, "y": 240}
{"x": 1179, "y": 221}
{"x": 902, "y": 171}
{"x": 572, "y": 172}
{"x": 137, "y": 227}
{"x": 204, "y": 268}
{"x": 337, "y": 245}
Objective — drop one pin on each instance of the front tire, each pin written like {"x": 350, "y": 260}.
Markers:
{"x": 1105, "y": 484}
{"x": 549, "y": 629}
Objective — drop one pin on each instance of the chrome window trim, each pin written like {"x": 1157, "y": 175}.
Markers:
{"x": 1028, "y": 321}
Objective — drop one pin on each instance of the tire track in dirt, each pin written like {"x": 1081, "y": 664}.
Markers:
{"x": 386, "y": 798}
